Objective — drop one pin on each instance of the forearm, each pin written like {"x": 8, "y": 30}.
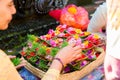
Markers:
{"x": 54, "y": 71}
{"x": 7, "y": 69}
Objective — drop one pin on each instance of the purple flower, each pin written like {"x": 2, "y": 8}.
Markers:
{"x": 89, "y": 52}
{"x": 66, "y": 69}
{"x": 37, "y": 62}
{"x": 50, "y": 31}
{"x": 83, "y": 63}
{"x": 52, "y": 43}
{"x": 91, "y": 56}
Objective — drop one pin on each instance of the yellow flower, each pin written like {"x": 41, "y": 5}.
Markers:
{"x": 76, "y": 36}
{"x": 57, "y": 32}
{"x": 78, "y": 31}
{"x": 85, "y": 43}
{"x": 56, "y": 41}
{"x": 96, "y": 36}
{"x": 72, "y": 10}
{"x": 86, "y": 33}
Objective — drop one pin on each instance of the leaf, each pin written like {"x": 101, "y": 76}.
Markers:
{"x": 16, "y": 61}
{"x": 54, "y": 51}
{"x": 31, "y": 38}
{"x": 41, "y": 51}
{"x": 64, "y": 44}
{"x": 33, "y": 59}
{"x": 43, "y": 64}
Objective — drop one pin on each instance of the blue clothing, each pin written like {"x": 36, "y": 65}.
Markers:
{"x": 27, "y": 75}
{"x": 97, "y": 74}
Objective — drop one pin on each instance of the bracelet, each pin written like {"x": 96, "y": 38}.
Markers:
{"x": 59, "y": 61}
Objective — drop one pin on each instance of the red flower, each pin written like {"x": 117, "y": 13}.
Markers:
{"x": 28, "y": 57}
{"x": 55, "y": 14}
{"x": 37, "y": 49}
{"x": 90, "y": 45}
{"x": 67, "y": 35}
{"x": 81, "y": 57}
{"x": 32, "y": 54}
{"x": 23, "y": 53}
{"x": 97, "y": 54}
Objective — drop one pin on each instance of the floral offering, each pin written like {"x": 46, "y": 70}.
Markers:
{"x": 74, "y": 16}
{"x": 40, "y": 50}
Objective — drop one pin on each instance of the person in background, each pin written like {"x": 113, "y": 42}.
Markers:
{"x": 8, "y": 70}
{"x": 111, "y": 24}
{"x": 112, "y": 58}
{"x": 98, "y": 21}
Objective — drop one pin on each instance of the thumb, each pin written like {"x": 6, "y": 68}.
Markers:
{"x": 11, "y": 57}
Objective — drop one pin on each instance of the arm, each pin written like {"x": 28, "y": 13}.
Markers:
{"x": 98, "y": 20}
{"x": 66, "y": 55}
{"x": 7, "y": 69}
{"x": 112, "y": 58}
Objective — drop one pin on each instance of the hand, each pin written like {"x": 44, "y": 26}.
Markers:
{"x": 69, "y": 53}
{"x": 112, "y": 68}
{"x": 66, "y": 55}
{"x": 22, "y": 62}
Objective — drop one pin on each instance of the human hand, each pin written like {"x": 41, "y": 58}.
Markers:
{"x": 69, "y": 53}
{"x": 21, "y": 64}
{"x": 112, "y": 68}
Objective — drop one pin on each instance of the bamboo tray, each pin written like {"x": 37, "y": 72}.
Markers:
{"x": 76, "y": 75}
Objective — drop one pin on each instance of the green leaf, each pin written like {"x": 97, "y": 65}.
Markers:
{"x": 42, "y": 50}
{"x": 64, "y": 44}
{"x": 34, "y": 46}
{"x": 43, "y": 64}
{"x": 31, "y": 37}
{"x": 33, "y": 59}
{"x": 54, "y": 51}
{"x": 16, "y": 61}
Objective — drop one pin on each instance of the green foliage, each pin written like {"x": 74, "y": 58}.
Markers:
{"x": 64, "y": 44}
{"x": 42, "y": 64}
{"x": 34, "y": 46}
{"x": 31, "y": 38}
{"x": 33, "y": 59}
{"x": 42, "y": 50}
{"x": 54, "y": 51}
{"x": 16, "y": 61}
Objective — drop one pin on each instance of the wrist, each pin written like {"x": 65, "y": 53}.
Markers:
{"x": 56, "y": 65}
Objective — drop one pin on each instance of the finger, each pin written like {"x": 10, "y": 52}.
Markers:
{"x": 22, "y": 59}
{"x": 78, "y": 56}
{"x": 77, "y": 47}
{"x": 19, "y": 66}
{"x": 11, "y": 56}
{"x": 78, "y": 51}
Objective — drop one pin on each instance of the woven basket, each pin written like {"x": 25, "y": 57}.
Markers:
{"x": 76, "y": 75}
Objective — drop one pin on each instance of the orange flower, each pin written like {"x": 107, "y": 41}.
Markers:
{"x": 23, "y": 53}
{"x": 72, "y": 10}
{"x": 32, "y": 54}
{"x": 48, "y": 50}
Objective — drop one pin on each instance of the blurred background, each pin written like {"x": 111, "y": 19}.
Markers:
{"x": 32, "y": 18}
